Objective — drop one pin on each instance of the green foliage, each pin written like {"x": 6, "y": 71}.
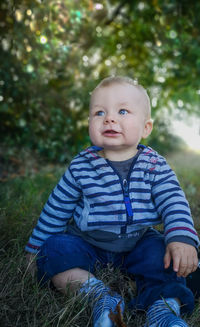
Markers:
{"x": 53, "y": 53}
{"x": 162, "y": 140}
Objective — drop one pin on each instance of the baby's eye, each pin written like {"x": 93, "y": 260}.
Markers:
{"x": 100, "y": 113}
{"x": 123, "y": 112}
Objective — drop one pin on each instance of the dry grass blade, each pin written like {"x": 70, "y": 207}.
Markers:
{"x": 117, "y": 317}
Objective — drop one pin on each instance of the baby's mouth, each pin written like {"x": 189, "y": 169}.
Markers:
{"x": 110, "y": 132}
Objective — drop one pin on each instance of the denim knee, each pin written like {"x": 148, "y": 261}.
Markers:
{"x": 62, "y": 252}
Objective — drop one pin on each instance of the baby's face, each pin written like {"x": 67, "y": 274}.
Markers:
{"x": 118, "y": 118}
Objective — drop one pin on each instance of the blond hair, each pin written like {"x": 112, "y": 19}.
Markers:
{"x": 128, "y": 80}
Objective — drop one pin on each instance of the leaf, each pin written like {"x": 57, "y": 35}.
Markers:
{"x": 117, "y": 317}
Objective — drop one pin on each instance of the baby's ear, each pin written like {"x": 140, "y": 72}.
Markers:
{"x": 147, "y": 128}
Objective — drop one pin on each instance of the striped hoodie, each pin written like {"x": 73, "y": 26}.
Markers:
{"x": 97, "y": 198}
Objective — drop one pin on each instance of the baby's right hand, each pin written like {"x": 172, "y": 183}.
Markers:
{"x": 31, "y": 263}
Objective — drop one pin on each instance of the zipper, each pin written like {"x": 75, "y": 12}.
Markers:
{"x": 125, "y": 189}
{"x": 127, "y": 202}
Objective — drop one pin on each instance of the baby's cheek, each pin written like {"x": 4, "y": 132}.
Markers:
{"x": 91, "y": 130}
{"x": 94, "y": 134}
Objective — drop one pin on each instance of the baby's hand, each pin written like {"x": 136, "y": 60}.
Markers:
{"x": 184, "y": 257}
{"x": 31, "y": 263}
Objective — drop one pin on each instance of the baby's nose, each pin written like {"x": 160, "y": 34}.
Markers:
{"x": 109, "y": 119}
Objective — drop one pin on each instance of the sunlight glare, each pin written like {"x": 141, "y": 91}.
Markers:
{"x": 189, "y": 131}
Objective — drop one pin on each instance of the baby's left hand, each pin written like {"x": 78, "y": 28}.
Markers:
{"x": 184, "y": 257}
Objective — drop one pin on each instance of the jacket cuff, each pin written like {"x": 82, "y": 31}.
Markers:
{"x": 183, "y": 239}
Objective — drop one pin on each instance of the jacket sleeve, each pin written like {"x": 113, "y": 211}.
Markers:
{"x": 57, "y": 211}
{"x": 171, "y": 204}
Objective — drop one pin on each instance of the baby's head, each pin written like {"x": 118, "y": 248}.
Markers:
{"x": 142, "y": 93}
{"x": 120, "y": 116}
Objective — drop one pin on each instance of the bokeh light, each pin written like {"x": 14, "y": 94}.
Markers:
{"x": 43, "y": 39}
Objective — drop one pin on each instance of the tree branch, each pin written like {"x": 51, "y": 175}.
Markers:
{"x": 116, "y": 11}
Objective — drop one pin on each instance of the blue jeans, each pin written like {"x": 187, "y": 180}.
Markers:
{"x": 144, "y": 263}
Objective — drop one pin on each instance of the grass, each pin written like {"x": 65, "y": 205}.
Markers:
{"x": 187, "y": 168}
{"x": 22, "y": 302}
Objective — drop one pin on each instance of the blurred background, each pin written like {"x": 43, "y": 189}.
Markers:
{"x": 53, "y": 53}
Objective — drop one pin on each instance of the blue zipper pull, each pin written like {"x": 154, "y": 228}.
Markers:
{"x": 125, "y": 187}
{"x": 127, "y": 202}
